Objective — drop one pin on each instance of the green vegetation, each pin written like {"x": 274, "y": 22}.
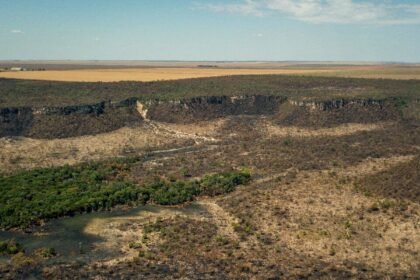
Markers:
{"x": 134, "y": 245}
{"x": 46, "y": 253}
{"x": 30, "y": 196}
{"x": 46, "y": 93}
{"x": 173, "y": 193}
{"x": 244, "y": 229}
{"x": 401, "y": 103}
{"x": 10, "y": 247}
{"x": 48, "y": 193}
{"x": 217, "y": 184}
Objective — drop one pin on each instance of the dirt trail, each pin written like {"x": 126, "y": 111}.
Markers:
{"x": 30, "y": 153}
{"x": 220, "y": 217}
{"x": 166, "y": 130}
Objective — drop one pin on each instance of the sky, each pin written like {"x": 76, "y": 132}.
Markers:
{"x": 211, "y": 30}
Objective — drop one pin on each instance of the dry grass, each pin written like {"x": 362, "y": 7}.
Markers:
{"x": 116, "y": 233}
{"x": 321, "y": 216}
{"x": 145, "y": 74}
{"x": 301, "y": 217}
{"x": 119, "y": 232}
{"x": 310, "y": 217}
{"x": 28, "y": 153}
{"x": 31, "y": 153}
{"x": 176, "y": 73}
{"x": 342, "y": 130}
{"x": 305, "y": 214}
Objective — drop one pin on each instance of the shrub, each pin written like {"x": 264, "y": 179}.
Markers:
{"x": 28, "y": 197}
{"x": 174, "y": 192}
{"x": 217, "y": 184}
{"x": 134, "y": 245}
{"x": 46, "y": 253}
{"x": 10, "y": 247}
{"x": 20, "y": 260}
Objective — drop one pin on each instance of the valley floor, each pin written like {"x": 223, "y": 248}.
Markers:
{"x": 340, "y": 201}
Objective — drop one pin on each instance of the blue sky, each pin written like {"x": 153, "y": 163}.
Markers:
{"x": 342, "y": 30}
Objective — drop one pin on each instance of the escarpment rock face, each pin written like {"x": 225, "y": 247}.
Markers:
{"x": 285, "y": 111}
{"x": 105, "y": 116}
{"x": 96, "y": 109}
{"x": 141, "y": 108}
{"x": 15, "y": 121}
{"x": 68, "y": 121}
{"x": 210, "y": 107}
{"x": 340, "y": 111}
{"x": 337, "y": 104}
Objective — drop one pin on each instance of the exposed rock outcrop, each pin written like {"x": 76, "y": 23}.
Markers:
{"x": 68, "y": 121}
{"x": 96, "y": 109}
{"x": 15, "y": 121}
{"x": 76, "y": 120}
{"x": 210, "y": 107}
{"x": 337, "y": 104}
{"x": 141, "y": 108}
{"x": 339, "y": 111}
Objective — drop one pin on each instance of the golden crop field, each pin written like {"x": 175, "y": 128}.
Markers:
{"x": 143, "y": 74}
{"x": 157, "y": 74}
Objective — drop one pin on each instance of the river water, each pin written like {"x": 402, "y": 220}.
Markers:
{"x": 70, "y": 240}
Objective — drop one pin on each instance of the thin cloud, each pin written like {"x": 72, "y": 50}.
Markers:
{"x": 327, "y": 11}
{"x": 245, "y": 7}
{"x": 16, "y": 31}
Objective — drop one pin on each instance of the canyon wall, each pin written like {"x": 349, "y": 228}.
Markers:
{"x": 77, "y": 120}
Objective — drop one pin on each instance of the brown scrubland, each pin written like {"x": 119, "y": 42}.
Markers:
{"x": 334, "y": 190}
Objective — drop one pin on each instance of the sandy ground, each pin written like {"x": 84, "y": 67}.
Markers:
{"x": 118, "y": 232}
{"x": 30, "y": 153}
{"x": 342, "y": 130}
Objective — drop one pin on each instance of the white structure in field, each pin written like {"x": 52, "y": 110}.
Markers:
{"x": 17, "y": 69}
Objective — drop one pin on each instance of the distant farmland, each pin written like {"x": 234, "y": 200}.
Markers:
{"x": 144, "y": 74}
{"x": 156, "y": 74}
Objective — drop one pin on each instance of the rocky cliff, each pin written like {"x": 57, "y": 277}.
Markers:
{"x": 15, "y": 121}
{"x": 338, "y": 103}
{"x": 339, "y": 111}
{"x": 76, "y": 120}
{"x": 67, "y": 121}
{"x": 210, "y": 107}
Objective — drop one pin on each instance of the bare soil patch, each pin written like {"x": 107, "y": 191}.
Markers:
{"x": 27, "y": 153}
